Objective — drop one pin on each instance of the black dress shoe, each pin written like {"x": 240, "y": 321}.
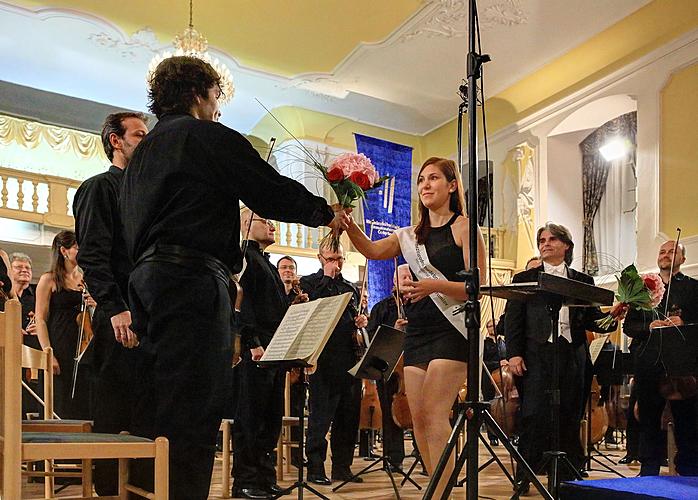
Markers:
{"x": 346, "y": 476}
{"x": 494, "y": 441}
{"x": 251, "y": 493}
{"x": 276, "y": 490}
{"x": 583, "y": 473}
{"x": 627, "y": 459}
{"x": 394, "y": 467}
{"x": 319, "y": 478}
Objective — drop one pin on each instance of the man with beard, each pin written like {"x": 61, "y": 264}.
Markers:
{"x": 650, "y": 370}
{"x": 106, "y": 267}
{"x": 180, "y": 203}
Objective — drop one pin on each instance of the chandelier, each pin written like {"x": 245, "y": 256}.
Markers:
{"x": 192, "y": 43}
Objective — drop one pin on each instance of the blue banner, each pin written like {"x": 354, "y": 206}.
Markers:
{"x": 386, "y": 208}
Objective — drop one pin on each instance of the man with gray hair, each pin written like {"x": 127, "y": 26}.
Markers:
{"x": 21, "y": 275}
{"x": 530, "y": 349}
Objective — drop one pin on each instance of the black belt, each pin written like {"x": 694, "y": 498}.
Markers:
{"x": 186, "y": 257}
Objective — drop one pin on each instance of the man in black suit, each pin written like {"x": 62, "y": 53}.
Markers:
{"x": 529, "y": 341}
{"x": 650, "y": 369}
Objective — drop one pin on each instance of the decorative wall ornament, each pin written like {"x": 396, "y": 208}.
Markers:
{"x": 30, "y": 134}
{"x": 525, "y": 200}
{"x": 449, "y": 18}
{"x": 142, "y": 42}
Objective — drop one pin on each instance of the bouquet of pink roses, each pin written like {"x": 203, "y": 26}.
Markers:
{"x": 350, "y": 176}
{"x": 639, "y": 291}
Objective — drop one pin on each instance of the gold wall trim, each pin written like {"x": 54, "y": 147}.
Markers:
{"x": 30, "y": 135}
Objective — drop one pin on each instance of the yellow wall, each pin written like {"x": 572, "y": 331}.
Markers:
{"x": 679, "y": 154}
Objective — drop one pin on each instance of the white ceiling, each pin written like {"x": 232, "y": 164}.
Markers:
{"x": 407, "y": 82}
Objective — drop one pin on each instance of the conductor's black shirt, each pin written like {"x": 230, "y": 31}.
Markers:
{"x": 102, "y": 254}
{"x": 184, "y": 184}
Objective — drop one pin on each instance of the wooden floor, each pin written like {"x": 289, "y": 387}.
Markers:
{"x": 492, "y": 481}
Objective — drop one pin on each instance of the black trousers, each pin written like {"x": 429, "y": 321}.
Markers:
{"x": 115, "y": 391}
{"x": 652, "y": 443}
{"x": 535, "y": 437}
{"x": 182, "y": 317}
{"x": 335, "y": 399}
{"x": 257, "y": 424}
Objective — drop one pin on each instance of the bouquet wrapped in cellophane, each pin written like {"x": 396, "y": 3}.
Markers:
{"x": 637, "y": 291}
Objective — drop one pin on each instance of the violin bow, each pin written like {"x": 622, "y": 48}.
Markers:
{"x": 671, "y": 273}
{"x": 272, "y": 141}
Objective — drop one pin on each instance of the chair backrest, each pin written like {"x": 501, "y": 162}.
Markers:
{"x": 11, "y": 400}
{"x": 41, "y": 360}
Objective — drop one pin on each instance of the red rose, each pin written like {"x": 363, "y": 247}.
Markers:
{"x": 361, "y": 180}
{"x": 650, "y": 284}
{"x": 335, "y": 174}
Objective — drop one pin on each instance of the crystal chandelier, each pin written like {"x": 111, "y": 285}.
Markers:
{"x": 192, "y": 43}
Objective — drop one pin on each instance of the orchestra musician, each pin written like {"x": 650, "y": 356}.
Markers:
{"x": 435, "y": 349}
{"x": 106, "y": 265}
{"x": 21, "y": 275}
{"x": 385, "y": 312}
{"x": 529, "y": 344}
{"x": 260, "y": 391}
{"x": 682, "y": 308}
{"x": 334, "y": 394}
{"x": 179, "y": 205}
{"x": 59, "y": 298}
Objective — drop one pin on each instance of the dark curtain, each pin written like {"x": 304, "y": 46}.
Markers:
{"x": 595, "y": 173}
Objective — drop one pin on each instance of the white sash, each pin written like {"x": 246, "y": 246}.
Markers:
{"x": 416, "y": 256}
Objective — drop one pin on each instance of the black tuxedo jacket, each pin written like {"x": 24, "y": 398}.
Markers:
{"x": 530, "y": 321}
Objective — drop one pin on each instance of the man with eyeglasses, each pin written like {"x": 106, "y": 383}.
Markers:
{"x": 335, "y": 396}
{"x": 180, "y": 207}
{"x": 260, "y": 391}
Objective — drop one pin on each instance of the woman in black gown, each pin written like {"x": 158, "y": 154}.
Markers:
{"x": 435, "y": 351}
{"x": 59, "y": 297}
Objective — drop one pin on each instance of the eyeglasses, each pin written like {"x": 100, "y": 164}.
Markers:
{"x": 333, "y": 259}
{"x": 264, "y": 221}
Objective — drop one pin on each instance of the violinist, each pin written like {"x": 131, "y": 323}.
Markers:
{"x": 260, "y": 391}
{"x": 682, "y": 299}
{"x": 385, "y": 312}
{"x": 335, "y": 395}
{"x": 288, "y": 269}
{"x": 106, "y": 265}
{"x": 59, "y": 300}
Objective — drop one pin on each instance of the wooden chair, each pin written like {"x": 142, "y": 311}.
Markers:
{"x": 35, "y": 446}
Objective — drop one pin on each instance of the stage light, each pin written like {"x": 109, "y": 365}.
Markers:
{"x": 614, "y": 149}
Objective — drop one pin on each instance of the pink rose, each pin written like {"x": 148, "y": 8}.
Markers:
{"x": 350, "y": 163}
{"x": 335, "y": 174}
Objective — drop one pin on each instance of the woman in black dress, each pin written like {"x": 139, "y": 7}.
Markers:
{"x": 59, "y": 297}
{"x": 435, "y": 351}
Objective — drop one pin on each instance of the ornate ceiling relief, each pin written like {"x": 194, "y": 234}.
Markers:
{"x": 142, "y": 41}
{"x": 449, "y": 18}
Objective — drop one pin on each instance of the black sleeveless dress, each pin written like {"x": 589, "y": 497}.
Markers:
{"x": 429, "y": 334}
{"x": 63, "y": 333}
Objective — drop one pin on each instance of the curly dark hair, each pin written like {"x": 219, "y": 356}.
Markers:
{"x": 177, "y": 81}
{"x": 114, "y": 124}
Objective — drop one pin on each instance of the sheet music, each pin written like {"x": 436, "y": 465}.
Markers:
{"x": 323, "y": 315}
{"x": 595, "y": 348}
{"x": 294, "y": 321}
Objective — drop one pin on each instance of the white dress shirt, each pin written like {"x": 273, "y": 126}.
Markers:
{"x": 564, "y": 321}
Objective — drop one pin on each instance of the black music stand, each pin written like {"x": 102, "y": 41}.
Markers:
{"x": 377, "y": 363}
{"x": 300, "y": 484}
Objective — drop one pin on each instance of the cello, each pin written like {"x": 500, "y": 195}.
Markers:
{"x": 400, "y": 407}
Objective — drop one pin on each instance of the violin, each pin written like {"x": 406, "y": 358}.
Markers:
{"x": 85, "y": 333}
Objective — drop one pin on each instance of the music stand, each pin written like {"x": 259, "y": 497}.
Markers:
{"x": 300, "y": 484}
{"x": 377, "y": 363}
